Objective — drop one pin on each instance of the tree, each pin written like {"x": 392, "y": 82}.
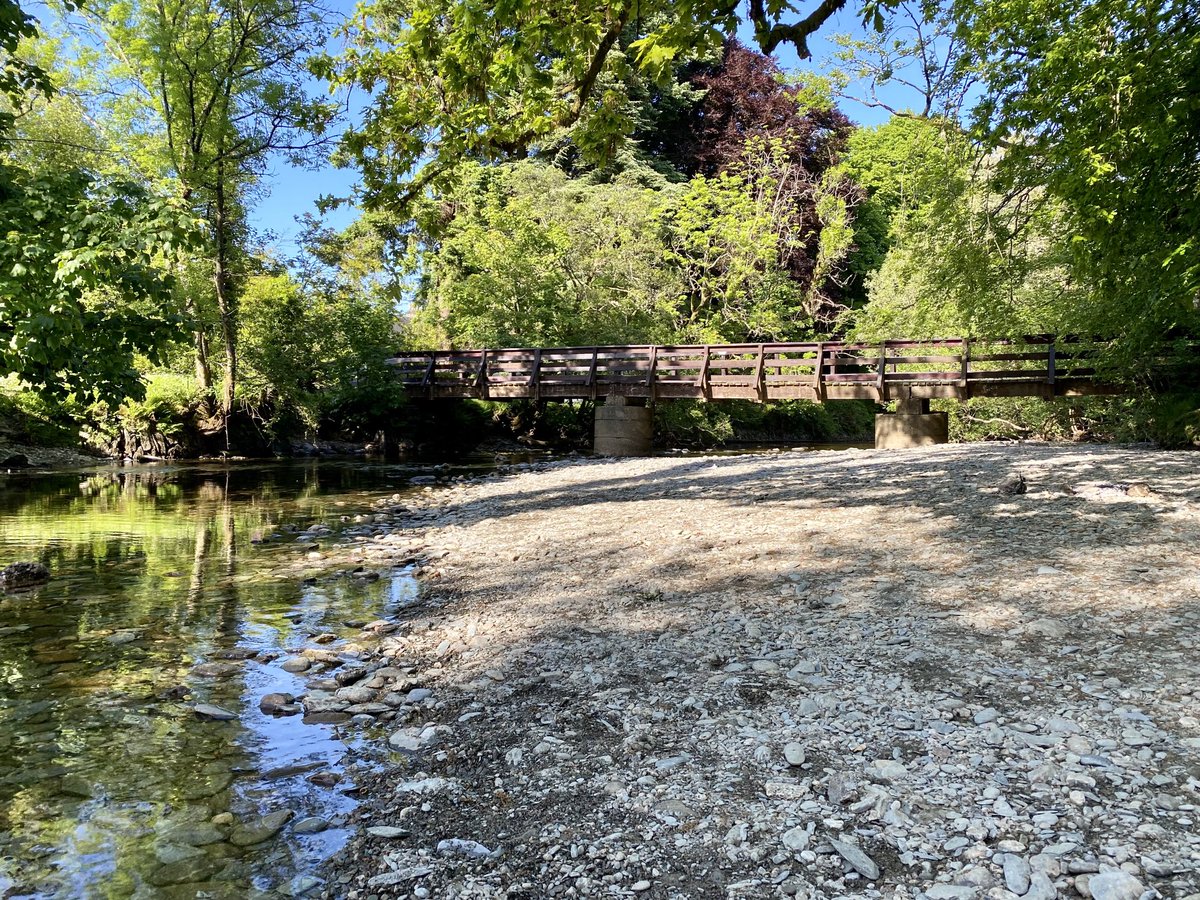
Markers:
{"x": 757, "y": 245}
{"x": 1093, "y": 107}
{"x": 529, "y": 256}
{"x": 84, "y": 278}
{"x": 225, "y": 81}
{"x": 744, "y": 98}
{"x": 960, "y": 259}
{"x": 918, "y": 53}
{"x": 452, "y": 80}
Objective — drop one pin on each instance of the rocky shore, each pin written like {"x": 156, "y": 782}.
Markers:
{"x": 852, "y": 674}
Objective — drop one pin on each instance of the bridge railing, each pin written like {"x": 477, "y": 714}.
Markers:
{"x": 814, "y": 370}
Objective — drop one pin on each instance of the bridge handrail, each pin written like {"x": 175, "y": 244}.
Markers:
{"x": 756, "y": 370}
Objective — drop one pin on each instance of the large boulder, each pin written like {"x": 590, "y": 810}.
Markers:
{"x": 22, "y": 575}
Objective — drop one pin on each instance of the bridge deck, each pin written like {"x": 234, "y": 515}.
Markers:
{"x": 894, "y": 370}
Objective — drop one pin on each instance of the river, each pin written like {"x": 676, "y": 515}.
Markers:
{"x": 174, "y": 586}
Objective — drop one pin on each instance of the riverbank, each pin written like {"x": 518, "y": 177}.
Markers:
{"x": 796, "y": 674}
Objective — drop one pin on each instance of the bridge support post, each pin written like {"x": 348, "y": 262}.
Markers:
{"x": 911, "y": 425}
{"x": 623, "y": 429}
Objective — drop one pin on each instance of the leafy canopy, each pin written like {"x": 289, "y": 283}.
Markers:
{"x": 453, "y": 79}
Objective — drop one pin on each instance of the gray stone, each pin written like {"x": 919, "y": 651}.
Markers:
{"x": 1115, "y": 885}
{"x": 796, "y": 839}
{"x": 1040, "y": 887}
{"x": 672, "y": 762}
{"x": 888, "y": 769}
{"x": 460, "y": 847}
{"x": 310, "y": 825}
{"x": 858, "y": 860}
{"x": 794, "y": 754}
{"x": 279, "y": 704}
{"x": 1016, "y": 873}
{"x": 216, "y": 713}
{"x": 301, "y": 886}
{"x": 1012, "y": 485}
{"x": 263, "y": 828}
{"x": 418, "y": 695}
{"x": 951, "y": 892}
{"x": 387, "y": 831}
{"x": 74, "y": 785}
{"x": 297, "y": 664}
{"x": 984, "y": 716}
{"x": 186, "y": 871}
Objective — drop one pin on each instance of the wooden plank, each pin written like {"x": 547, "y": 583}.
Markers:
{"x": 704, "y": 388}
{"x": 650, "y": 372}
{"x": 535, "y": 374}
{"x": 1050, "y": 366}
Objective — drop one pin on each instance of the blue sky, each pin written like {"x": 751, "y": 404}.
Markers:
{"x": 290, "y": 192}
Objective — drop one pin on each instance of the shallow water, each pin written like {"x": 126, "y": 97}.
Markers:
{"x": 108, "y": 779}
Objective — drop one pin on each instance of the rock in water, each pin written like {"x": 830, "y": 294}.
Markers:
{"x": 208, "y": 711}
{"x": 263, "y": 828}
{"x": 1012, "y": 485}
{"x": 23, "y": 574}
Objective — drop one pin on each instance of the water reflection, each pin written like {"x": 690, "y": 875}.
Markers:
{"x": 171, "y": 587}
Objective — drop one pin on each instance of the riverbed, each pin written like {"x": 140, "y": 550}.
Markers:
{"x": 956, "y": 673}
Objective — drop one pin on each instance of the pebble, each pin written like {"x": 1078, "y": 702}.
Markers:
{"x": 858, "y": 860}
{"x": 795, "y": 839}
{"x": 1115, "y": 885}
{"x": 1016, "y": 873}
{"x": 389, "y": 831}
{"x": 310, "y": 825}
{"x": 793, "y": 753}
{"x": 216, "y": 713}
{"x": 260, "y": 829}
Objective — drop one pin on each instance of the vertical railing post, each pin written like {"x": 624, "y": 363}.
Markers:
{"x": 760, "y": 382}
{"x": 427, "y": 381}
{"x": 591, "y": 382}
{"x": 704, "y": 374}
{"x": 1050, "y": 364}
{"x": 535, "y": 387}
{"x": 650, "y": 373}
{"x": 481, "y": 379}
{"x": 879, "y": 380}
{"x": 966, "y": 367}
{"x": 818, "y": 382}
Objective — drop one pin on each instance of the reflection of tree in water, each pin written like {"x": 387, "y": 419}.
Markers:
{"x": 154, "y": 574}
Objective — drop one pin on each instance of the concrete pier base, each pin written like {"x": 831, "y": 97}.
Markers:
{"x": 911, "y": 425}
{"x": 623, "y": 429}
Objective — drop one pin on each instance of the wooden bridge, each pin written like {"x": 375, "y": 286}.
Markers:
{"x": 904, "y": 370}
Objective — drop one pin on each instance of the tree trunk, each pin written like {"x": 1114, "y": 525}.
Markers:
{"x": 226, "y": 300}
{"x": 203, "y": 369}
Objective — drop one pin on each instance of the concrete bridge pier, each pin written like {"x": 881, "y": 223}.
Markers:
{"x": 911, "y": 425}
{"x": 624, "y": 427}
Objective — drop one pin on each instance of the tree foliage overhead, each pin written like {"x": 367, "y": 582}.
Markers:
{"x": 744, "y": 97}
{"x": 84, "y": 282}
{"x": 1096, "y": 106}
{"x": 452, "y": 80}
